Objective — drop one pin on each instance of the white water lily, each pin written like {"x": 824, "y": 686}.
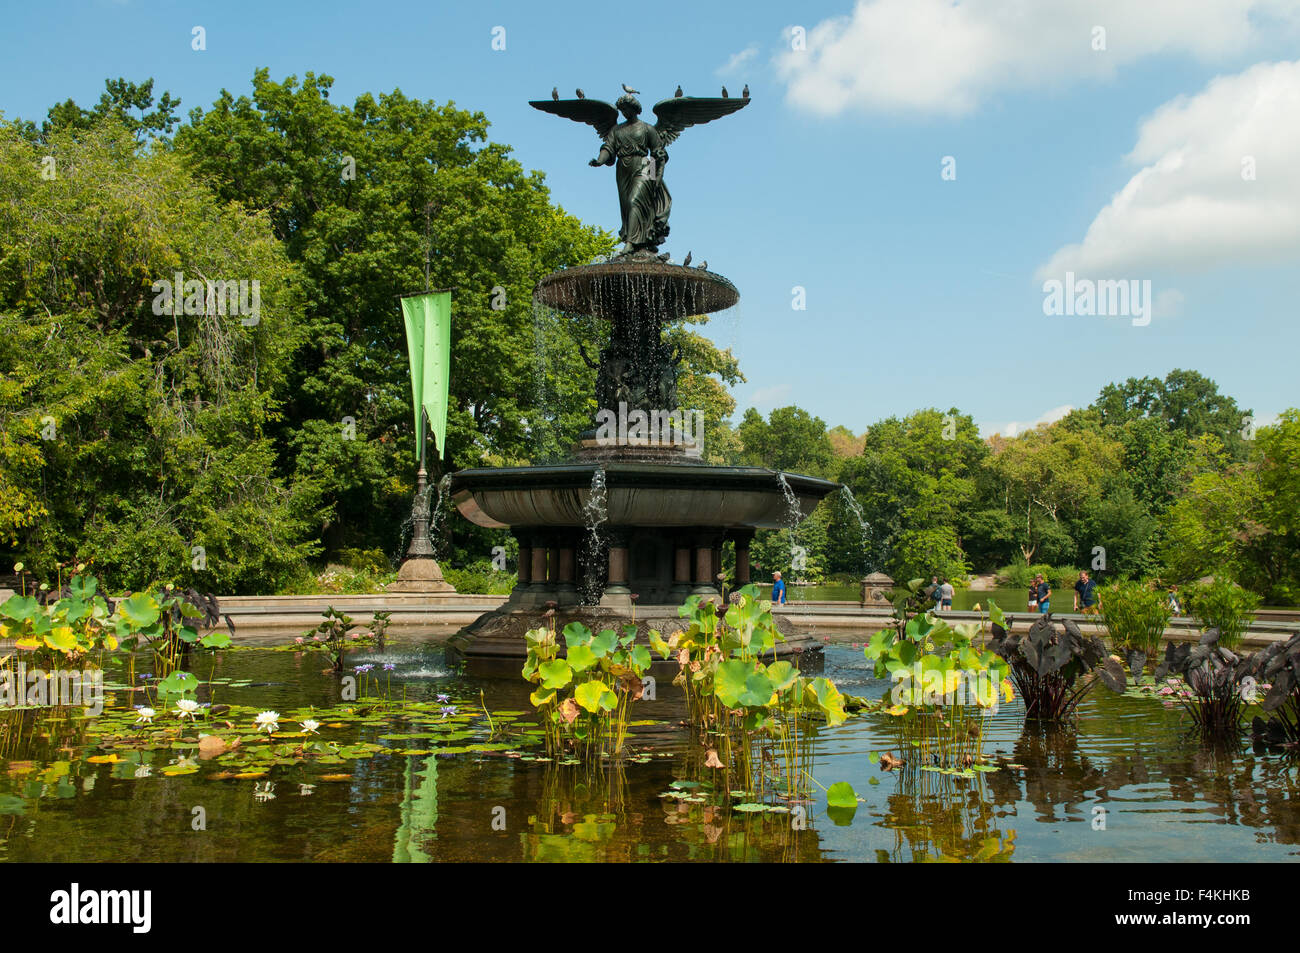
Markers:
{"x": 145, "y": 716}
{"x": 268, "y": 720}
{"x": 186, "y": 708}
{"x": 309, "y": 726}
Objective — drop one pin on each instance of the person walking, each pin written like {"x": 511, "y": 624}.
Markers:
{"x": 1174, "y": 605}
{"x": 1033, "y": 593}
{"x": 932, "y": 592}
{"x": 1085, "y": 594}
{"x": 1044, "y": 596}
{"x": 778, "y": 589}
{"x": 945, "y": 594}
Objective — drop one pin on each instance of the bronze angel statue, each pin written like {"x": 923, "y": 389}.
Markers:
{"x": 638, "y": 150}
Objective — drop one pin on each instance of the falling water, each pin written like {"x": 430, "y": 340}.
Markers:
{"x": 793, "y": 517}
{"x": 851, "y": 502}
{"x": 595, "y": 512}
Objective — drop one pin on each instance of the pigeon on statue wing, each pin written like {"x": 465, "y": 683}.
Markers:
{"x": 555, "y": 93}
{"x": 745, "y": 92}
{"x": 724, "y": 92}
{"x": 581, "y": 94}
{"x": 704, "y": 266}
{"x": 687, "y": 262}
{"x": 629, "y": 90}
{"x": 678, "y": 94}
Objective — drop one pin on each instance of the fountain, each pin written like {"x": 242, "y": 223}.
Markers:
{"x": 635, "y": 521}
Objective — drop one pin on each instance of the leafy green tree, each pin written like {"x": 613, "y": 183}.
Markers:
{"x": 1048, "y": 477}
{"x": 914, "y": 474}
{"x": 141, "y": 428}
{"x": 1185, "y": 401}
{"x": 131, "y": 105}
{"x": 790, "y": 439}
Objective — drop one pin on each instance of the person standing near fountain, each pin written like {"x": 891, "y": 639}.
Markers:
{"x": 778, "y": 589}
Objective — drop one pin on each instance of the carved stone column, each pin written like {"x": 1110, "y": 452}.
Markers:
{"x": 704, "y": 580}
{"x": 681, "y": 570}
{"x": 743, "y": 539}
{"x": 617, "y": 594}
{"x": 567, "y": 588}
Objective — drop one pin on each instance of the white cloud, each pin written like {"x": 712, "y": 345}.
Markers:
{"x": 738, "y": 60}
{"x": 766, "y": 398}
{"x": 1191, "y": 205}
{"x": 945, "y": 57}
{"x": 1014, "y": 427}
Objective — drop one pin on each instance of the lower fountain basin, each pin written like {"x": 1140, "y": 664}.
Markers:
{"x": 637, "y": 494}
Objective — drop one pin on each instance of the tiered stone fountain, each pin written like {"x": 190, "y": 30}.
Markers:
{"x": 629, "y": 528}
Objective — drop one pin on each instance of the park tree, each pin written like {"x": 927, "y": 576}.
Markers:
{"x": 916, "y": 473}
{"x": 137, "y": 430}
{"x": 1048, "y": 477}
{"x": 393, "y": 194}
{"x": 1185, "y": 401}
{"x": 790, "y": 439}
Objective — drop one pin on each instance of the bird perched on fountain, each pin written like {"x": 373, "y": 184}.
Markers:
{"x": 704, "y": 266}
{"x": 555, "y": 93}
{"x": 687, "y": 262}
{"x": 724, "y": 92}
{"x": 678, "y": 94}
{"x": 629, "y": 90}
{"x": 581, "y": 94}
{"x": 745, "y": 92}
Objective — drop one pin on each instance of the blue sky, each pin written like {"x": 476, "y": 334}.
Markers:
{"x": 1119, "y": 155}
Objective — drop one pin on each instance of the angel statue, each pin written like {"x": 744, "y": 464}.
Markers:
{"x": 638, "y": 150}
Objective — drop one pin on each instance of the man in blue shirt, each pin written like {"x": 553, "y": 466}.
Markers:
{"x": 1085, "y": 594}
{"x": 778, "y": 589}
{"x": 1044, "y": 593}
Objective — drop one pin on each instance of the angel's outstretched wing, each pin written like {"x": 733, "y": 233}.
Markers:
{"x": 676, "y": 114}
{"x": 599, "y": 115}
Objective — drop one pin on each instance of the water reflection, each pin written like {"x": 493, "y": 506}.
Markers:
{"x": 1164, "y": 795}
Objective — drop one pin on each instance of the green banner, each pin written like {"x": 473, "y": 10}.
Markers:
{"x": 428, "y": 339}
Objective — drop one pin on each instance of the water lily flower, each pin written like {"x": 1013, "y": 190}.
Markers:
{"x": 268, "y": 720}
{"x": 306, "y": 789}
{"x": 448, "y": 710}
{"x": 444, "y": 698}
{"x": 143, "y": 771}
{"x": 186, "y": 708}
{"x": 298, "y": 640}
{"x": 145, "y": 715}
{"x": 362, "y": 669}
{"x": 309, "y": 726}
{"x": 389, "y": 667}
{"x": 1165, "y": 691}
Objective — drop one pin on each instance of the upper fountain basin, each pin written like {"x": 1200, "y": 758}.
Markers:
{"x": 623, "y": 286}
{"x": 637, "y": 494}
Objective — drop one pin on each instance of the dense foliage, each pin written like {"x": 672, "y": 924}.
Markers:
{"x": 233, "y": 455}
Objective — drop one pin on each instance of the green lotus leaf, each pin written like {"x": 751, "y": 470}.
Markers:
{"x": 595, "y": 696}
{"x": 555, "y": 674}
{"x": 581, "y": 658}
{"x": 604, "y": 643}
{"x": 729, "y": 681}
{"x": 575, "y": 633}
{"x": 140, "y": 609}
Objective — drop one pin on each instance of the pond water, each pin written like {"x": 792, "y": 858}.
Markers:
{"x": 410, "y": 780}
